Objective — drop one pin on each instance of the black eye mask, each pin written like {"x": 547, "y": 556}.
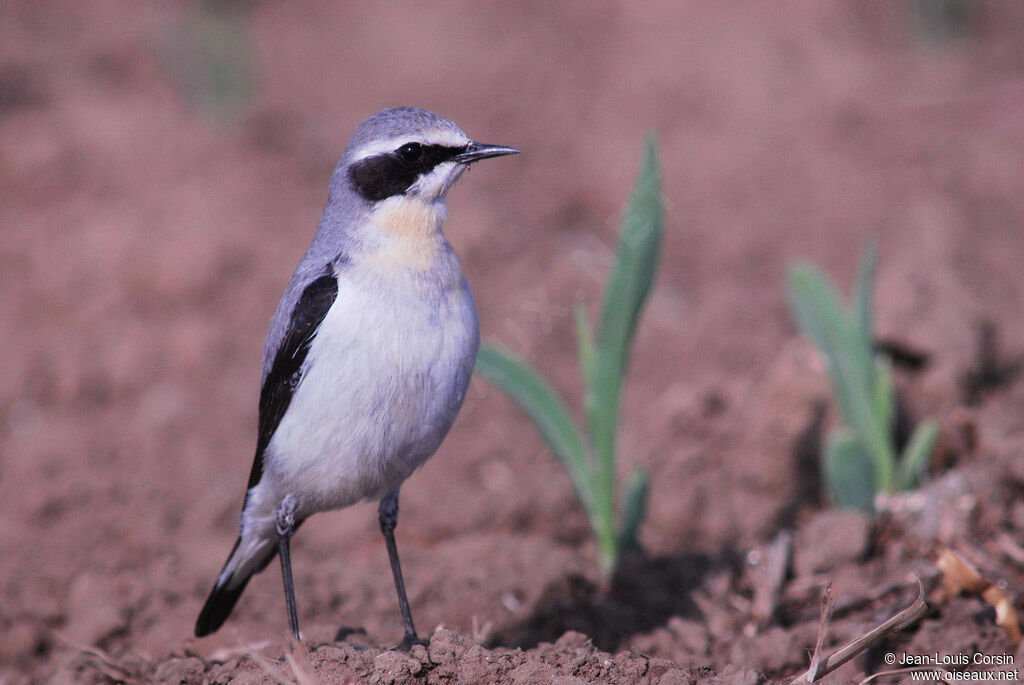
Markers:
{"x": 392, "y": 173}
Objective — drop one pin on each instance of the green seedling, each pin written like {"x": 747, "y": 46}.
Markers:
{"x": 590, "y": 456}
{"x": 860, "y": 458}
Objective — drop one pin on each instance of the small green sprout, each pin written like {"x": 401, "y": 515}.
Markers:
{"x": 591, "y": 460}
{"x": 860, "y": 458}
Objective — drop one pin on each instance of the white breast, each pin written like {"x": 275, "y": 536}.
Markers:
{"x": 382, "y": 383}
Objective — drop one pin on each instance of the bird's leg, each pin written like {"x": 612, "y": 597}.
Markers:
{"x": 388, "y": 513}
{"x": 285, "y": 527}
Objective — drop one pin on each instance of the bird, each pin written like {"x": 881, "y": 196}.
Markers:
{"x": 368, "y": 355}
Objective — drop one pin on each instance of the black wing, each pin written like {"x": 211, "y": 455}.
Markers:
{"x": 286, "y": 371}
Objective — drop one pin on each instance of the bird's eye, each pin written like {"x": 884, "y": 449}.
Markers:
{"x": 411, "y": 152}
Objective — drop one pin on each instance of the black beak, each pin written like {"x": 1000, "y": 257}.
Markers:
{"x": 478, "y": 151}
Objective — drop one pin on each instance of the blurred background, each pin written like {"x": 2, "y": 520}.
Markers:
{"x": 162, "y": 170}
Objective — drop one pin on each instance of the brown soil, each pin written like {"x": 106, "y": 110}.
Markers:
{"x": 151, "y": 218}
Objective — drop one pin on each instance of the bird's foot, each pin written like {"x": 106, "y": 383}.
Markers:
{"x": 409, "y": 640}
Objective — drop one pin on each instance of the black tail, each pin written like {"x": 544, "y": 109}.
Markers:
{"x": 222, "y": 599}
{"x": 217, "y": 608}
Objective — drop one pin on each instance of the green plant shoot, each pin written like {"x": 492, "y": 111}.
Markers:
{"x": 860, "y": 458}
{"x": 590, "y": 456}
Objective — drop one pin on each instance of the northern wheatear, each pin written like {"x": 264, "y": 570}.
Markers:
{"x": 369, "y": 353}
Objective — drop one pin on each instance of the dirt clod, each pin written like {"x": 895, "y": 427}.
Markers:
{"x": 832, "y": 538}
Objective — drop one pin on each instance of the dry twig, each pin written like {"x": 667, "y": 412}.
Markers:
{"x": 851, "y": 649}
{"x": 827, "y": 607}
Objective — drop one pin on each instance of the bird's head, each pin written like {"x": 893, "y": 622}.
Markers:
{"x": 405, "y": 151}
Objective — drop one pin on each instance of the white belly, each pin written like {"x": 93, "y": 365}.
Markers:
{"x": 382, "y": 383}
